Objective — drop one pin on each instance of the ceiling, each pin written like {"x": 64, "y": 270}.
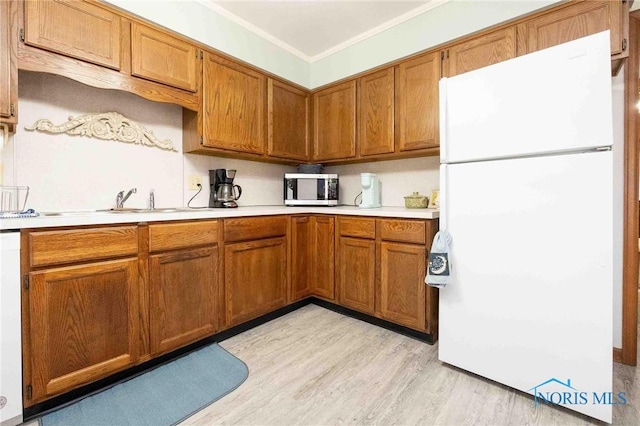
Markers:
{"x": 313, "y": 29}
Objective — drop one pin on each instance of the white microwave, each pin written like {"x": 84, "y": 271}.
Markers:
{"x": 307, "y": 189}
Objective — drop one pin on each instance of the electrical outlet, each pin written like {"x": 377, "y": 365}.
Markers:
{"x": 194, "y": 181}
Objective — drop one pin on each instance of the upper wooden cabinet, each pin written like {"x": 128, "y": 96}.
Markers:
{"x": 376, "y": 113}
{"x": 417, "y": 125}
{"x": 288, "y": 121}
{"x": 577, "y": 20}
{"x": 334, "y": 119}
{"x": 480, "y": 52}
{"x": 100, "y": 46}
{"x": 8, "y": 63}
{"x": 160, "y": 57}
{"x": 234, "y": 106}
{"x": 78, "y": 29}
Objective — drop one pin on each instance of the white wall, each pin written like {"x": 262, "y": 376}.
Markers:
{"x": 74, "y": 172}
{"x": 398, "y": 178}
{"x": 261, "y": 183}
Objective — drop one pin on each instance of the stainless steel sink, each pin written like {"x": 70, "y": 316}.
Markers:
{"x": 116, "y": 211}
{"x": 73, "y": 213}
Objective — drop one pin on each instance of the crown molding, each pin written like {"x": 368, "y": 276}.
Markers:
{"x": 380, "y": 28}
{"x": 348, "y": 43}
{"x": 257, "y": 31}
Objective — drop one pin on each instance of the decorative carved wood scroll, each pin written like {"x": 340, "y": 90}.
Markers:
{"x": 106, "y": 126}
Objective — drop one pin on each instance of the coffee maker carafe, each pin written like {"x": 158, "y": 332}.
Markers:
{"x": 223, "y": 192}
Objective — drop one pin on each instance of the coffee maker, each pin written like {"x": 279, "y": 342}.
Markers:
{"x": 223, "y": 191}
{"x": 370, "y": 191}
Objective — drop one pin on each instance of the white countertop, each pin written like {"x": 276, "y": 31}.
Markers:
{"x": 100, "y": 218}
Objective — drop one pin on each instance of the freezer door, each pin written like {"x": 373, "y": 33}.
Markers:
{"x": 554, "y": 100}
{"x": 530, "y": 302}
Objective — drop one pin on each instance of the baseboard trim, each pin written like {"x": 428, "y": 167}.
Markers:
{"x": 424, "y": 337}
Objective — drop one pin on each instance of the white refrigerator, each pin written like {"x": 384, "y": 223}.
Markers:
{"x": 527, "y": 197}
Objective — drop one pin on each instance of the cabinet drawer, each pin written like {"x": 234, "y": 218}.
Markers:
{"x": 408, "y": 231}
{"x": 79, "y": 245}
{"x": 357, "y": 227}
{"x": 180, "y": 235}
{"x": 254, "y": 228}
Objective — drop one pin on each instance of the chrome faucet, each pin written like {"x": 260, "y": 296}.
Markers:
{"x": 152, "y": 200}
{"x": 121, "y": 198}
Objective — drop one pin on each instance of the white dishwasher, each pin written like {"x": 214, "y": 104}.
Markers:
{"x": 10, "y": 333}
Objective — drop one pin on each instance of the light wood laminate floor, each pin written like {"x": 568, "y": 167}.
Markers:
{"x": 317, "y": 367}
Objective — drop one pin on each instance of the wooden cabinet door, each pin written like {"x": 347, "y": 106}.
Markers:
{"x": 288, "y": 121}
{"x": 83, "y": 325}
{"x": 402, "y": 287}
{"x": 157, "y": 56}
{"x": 255, "y": 278}
{"x": 578, "y": 20}
{"x": 8, "y": 62}
{"x": 356, "y": 275}
{"x": 417, "y": 124}
{"x": 183, "y": 304}
{"x": 334, "y": 118}
{"x": 375, "y": 113}
{"x": 323, "y": 271}
{"x": 234, "y": 106}
{"x": 74, "y": 28}
{"x": 482, "y": 51}
{"x": 301, "y": 257}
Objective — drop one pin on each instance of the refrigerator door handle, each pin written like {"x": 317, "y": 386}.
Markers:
{"x": 443, "y": 119}
{"x": 443, "y": 196}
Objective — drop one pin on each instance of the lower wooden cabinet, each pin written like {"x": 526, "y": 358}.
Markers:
{"x": 301, "y": 255}
{"x": 183, "y": 297}
{"x": 323, "y": 257}
{"x": 402, "y": 289}
{"x": 381, "y": 268}
{"x": 183, "y": 283}
{"x": 83, "y": 326}
{"x": 117, "y": 296}
{"x": 356, "y": 274}
{"x": 255, "y": 278}
{"x": 312, "y": 257}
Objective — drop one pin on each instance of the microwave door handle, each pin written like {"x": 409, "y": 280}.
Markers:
{"x": 291, "y": 189}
